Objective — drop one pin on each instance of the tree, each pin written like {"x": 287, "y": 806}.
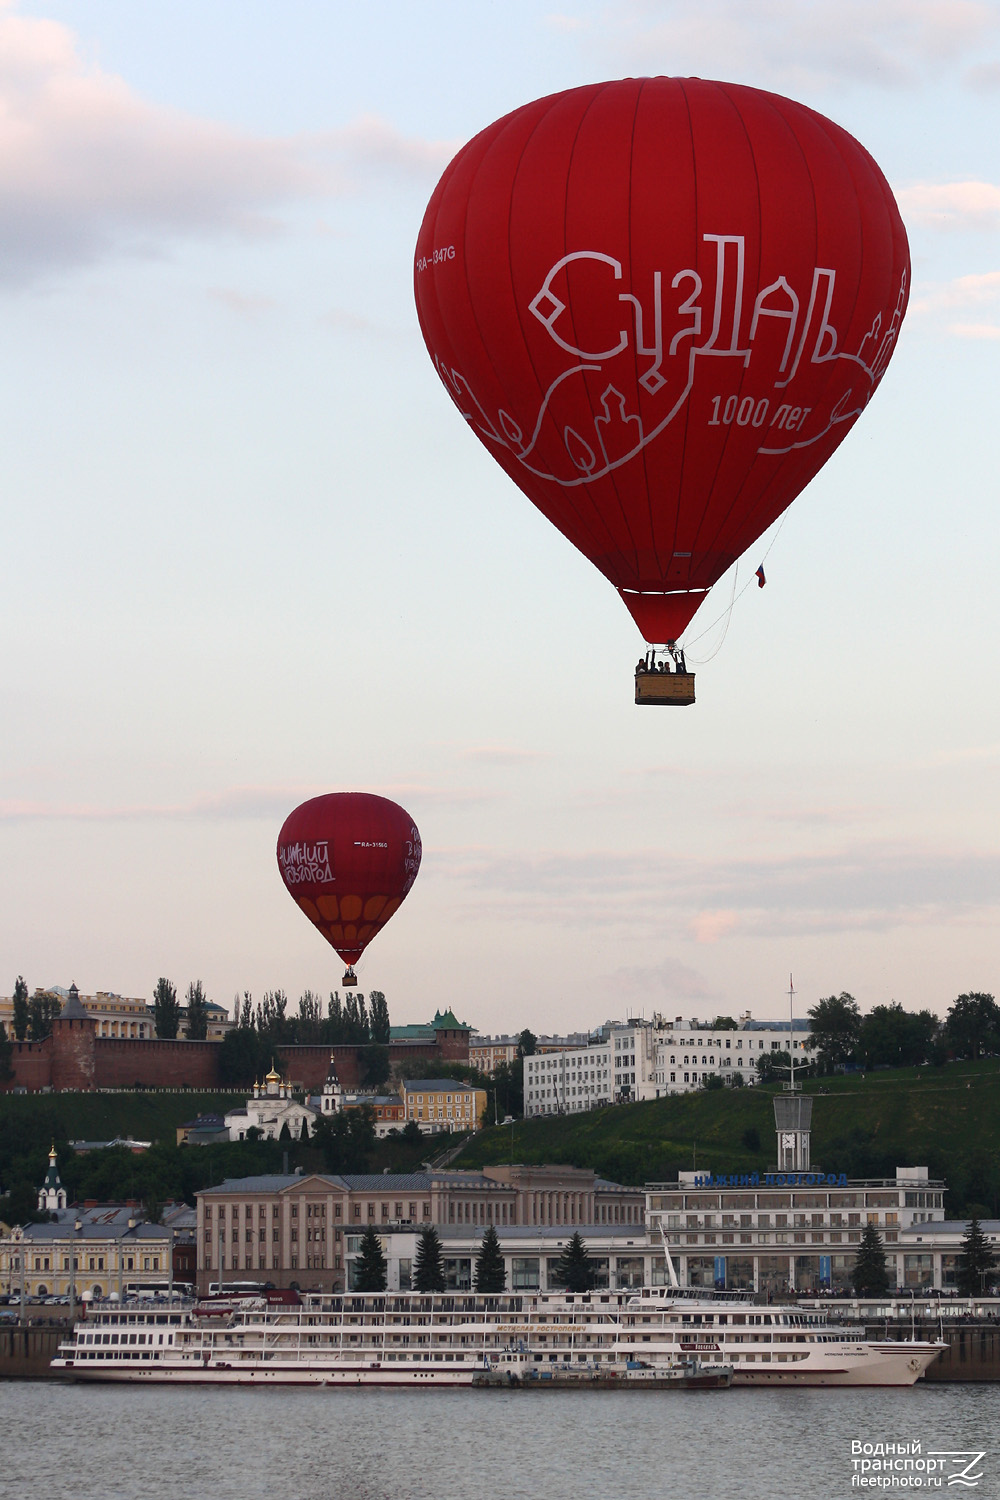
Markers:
{"x": 370, "y": 1267}
{"x": 573, "y": 1269}
{"x": 773, "y": 1065}
{"x": 244, "y": 1057}
{"x": 751, "y": 1138}
{"x": 166, "y": 1011}
{"x": 428, "y": 1266}
{"x": 835, "y": 1025}
{"x": 973, "y": 1025}
{"x": 527, "y": 1043}
{"x": 197, "y": 1015}
{"x": 43, "y": 1008}
{"x": 975, "y": 1262}
{"x": 891, "y": 1037}
{"x": 724, "y": 1023}
{"x": 378, "y": 1017}
{"x": 508, "y": 1081}
{"x": 491, "y": 1273}
{"x": 869, "y": 1273}
{"x": 375, "y": 1065}
{"x": 20, "y": 1016}
{"x": 6, "y": 1053}
{"x": 710, "y": 1081}
{"x": 310, "y": 1019}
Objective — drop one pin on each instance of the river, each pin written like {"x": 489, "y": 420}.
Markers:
{"x": 61, "y": 1441}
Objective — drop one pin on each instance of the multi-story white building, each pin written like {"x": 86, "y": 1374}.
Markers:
{"x": 642, "y": 1059}
{"x": 486, "y": 1052}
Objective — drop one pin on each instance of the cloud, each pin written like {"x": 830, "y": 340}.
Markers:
{"x": 669, "y": 980}
{"x": 985, "y": 78}
{"x": 88, "y": 168}
{"x": 502, "y": 755}
{"x": 978, "y": 292}
{"x": 347, "y": 322}
{"x": 273, "y": 803}
{"x": 975, "y": 330}
{"x": 565, "y": 24}
{"x": 238, "y": 302}
{"x": 798, "y": 46}
{"x": 710, "y": 926}
{"x": 866, "y": 887}
{"x": 952, "y": 205}
{"x": 370, "y": 141}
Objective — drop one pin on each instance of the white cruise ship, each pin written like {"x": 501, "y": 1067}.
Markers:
{"x": 412, "y": 1338}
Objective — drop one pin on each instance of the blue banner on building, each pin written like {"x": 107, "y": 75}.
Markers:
{"x": 720, "y": 1272}
{"x": 825, "y": 1270}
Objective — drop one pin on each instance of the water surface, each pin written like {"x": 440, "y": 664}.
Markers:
{"x": 61, "y": 1442}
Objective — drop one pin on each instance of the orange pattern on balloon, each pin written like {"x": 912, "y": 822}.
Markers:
{"x": 328, "y": 907}
{"x": 350, "y": 908}
{"x": 373, "y": 908}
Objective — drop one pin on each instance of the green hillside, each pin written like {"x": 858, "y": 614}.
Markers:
{"x": 947, "y": 1119}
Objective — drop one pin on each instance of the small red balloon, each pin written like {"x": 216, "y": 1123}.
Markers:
{"x": 348, "y": 860}
{"x": 661, "y": 304}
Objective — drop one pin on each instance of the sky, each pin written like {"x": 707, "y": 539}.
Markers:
{"x": 250, "y": 552}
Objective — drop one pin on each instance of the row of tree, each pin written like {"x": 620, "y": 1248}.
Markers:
{"x": 973, "y": 1268}
{"x": 573, "y": 1270}
{"x": 167, "y": 1012}
{"x": 32, "y": 1017}
{"x": 890, "y": 1036}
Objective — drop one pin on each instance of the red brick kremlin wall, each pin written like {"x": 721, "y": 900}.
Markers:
{"x": 74, "y": 1058}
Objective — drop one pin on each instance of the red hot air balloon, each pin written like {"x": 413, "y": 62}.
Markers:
{"x": 661, "y": 304}
{"x": 348, "y": 860}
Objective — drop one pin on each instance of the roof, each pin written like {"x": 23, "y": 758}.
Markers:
{"x": 369, "y": 1182}
{"x": 91, "y": 1233}
{"x": 437, "y": 1085}
{"x": 446, "y": 1020}
{"x": 73, "y": 1010}
{"x": 119, "y": 1140}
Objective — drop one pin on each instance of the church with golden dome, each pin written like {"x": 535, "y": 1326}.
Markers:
{"x": 269, "y": 1109}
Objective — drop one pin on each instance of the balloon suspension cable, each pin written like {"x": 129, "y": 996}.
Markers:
{"x": 735, "y": 597}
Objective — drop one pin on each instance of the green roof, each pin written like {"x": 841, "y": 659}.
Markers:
{"x": 444, "y": 1020}
{"x": 448, "y": 1021}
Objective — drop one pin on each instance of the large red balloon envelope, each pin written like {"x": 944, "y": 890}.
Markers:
{"x": 661, "y": 304}
{"x": 348, "y": 860}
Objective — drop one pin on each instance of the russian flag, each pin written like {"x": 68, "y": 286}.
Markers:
{"x": 761, "y": 580}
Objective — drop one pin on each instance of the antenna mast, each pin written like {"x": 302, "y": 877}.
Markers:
{"x": 792, "y": 1085}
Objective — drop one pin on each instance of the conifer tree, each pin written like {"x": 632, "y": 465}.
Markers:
{"x": 370, "y": 1268}
{"x": 491, "y": 1273}
{"x": 869, "y": 1273}
{"x": 573, "y": 1269}
{"x": 975, "y": 1262}
{"x": 428, "y": 1267}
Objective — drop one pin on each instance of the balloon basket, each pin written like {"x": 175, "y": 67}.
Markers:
{"x": 350, "y": 978}
{"x": 673, "y": 688}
